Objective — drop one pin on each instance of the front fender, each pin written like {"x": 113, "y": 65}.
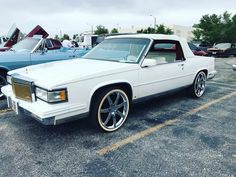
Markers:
{"x": 107, "y": 83}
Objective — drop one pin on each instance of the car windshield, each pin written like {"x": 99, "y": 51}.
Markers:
{"x": 127, "y": 50}
{"x": 26, "y": 44}
{"x": 223, "y": 46}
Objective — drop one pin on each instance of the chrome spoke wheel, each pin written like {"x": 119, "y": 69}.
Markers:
{"x": 113, "y": 110}
{"x": 200, "y": 84}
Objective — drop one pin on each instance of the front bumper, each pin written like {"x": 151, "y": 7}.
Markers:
{"x": 215, "y": 53}
{"x": 44, "y": 121}
{"x": 47, "y": 114}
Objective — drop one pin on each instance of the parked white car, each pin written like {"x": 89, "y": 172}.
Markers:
{"x": 103, "y": 84}
{"x": 234, "y": 67}
{"x": 87, "y": 40}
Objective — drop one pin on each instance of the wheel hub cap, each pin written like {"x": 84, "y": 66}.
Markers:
{"x": 113, "y": 110}
{"x": 200, "y": 84}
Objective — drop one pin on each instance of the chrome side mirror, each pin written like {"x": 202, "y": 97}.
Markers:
{"x": 149, "y": 62}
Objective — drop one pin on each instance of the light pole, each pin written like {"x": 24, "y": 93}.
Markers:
{"x": 155, "y": 21}
{"x": 91, "y": 27}
{"x": 118, "y": 26}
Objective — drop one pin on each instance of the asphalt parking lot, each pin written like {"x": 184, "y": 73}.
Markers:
{"x": 173, "y": 135}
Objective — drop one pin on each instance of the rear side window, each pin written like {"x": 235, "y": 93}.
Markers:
{"x": 166, "y": 51}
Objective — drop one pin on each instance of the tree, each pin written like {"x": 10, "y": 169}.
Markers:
{"x": 57, "y": 37}
{"x": 197, "y": 34}
{"x": 169, "y": 31}
{"x": 216, "y": 28}
{"x": 101, "y": 30}
{"x": 160, "y": 29}
{"x": 114, "y": 30}
{"x": 149, "y": 30}
{"x": 65, "y": 36}
{"x": 75, "y": 36}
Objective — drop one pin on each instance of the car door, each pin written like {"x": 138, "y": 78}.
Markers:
{"x": 15, "y": 60}
{"x": 166, "y": 73}
{"x": 43, "y": 55}
{"x": 50, "y": 56}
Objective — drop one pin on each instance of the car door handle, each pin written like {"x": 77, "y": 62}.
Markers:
{"x": 72, "y": 56}
{"x": 181, "y": 66}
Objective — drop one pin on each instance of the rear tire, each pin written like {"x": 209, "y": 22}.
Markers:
{"x": 199, "y": 85}
{"x": 110, "y": 109}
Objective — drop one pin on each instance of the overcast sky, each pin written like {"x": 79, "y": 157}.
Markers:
{"x": 76, "y": 16}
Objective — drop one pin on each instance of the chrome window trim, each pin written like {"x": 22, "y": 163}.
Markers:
{"x": 176, "y": 61}
{"x": 146, "y": 52}
{"x": 37, "y": 46}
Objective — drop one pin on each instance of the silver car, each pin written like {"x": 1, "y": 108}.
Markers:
{"x": 234, "y": 67}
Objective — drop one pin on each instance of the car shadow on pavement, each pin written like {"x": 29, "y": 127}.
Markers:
{"x": 150, "y": 112}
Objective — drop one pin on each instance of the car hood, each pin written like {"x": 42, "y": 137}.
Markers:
{"x": 13, "y": 52}
{"x": 215, "y": 49}
{"x": 56, "y": 74}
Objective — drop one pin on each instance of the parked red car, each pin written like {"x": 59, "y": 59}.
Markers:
{"x": 52, "y": 44}
{"x": 38, "y": 30}
{"x": 17, "y": 36}
{"x": 196, "y": 50}
{"x": 223, "y": 50}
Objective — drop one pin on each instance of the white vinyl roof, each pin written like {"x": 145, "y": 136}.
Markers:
{"x": 187, "y": 51}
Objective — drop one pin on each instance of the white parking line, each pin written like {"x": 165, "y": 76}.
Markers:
{"x": 220, "y": 86}
{"x": 151, "y": 130}
{"x": 3, "y": 127}
{"x": 5, "y": 110}
{"x": 220, "y": 83}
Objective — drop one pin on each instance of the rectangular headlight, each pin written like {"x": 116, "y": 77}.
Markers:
{"x": 54, "y": 96}
{"x": 41, "y": 94}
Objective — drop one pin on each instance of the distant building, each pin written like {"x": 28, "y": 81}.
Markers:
{"x": 132, "y": 29}
{"x": 182, "y": 31}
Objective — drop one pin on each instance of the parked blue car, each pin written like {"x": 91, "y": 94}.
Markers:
{"x": 31, "y": 51}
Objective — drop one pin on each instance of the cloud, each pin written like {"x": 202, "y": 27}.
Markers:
{"x": 73, "y": 16}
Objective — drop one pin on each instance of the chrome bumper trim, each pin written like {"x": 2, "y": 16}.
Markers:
{"x": 51, "y": 120}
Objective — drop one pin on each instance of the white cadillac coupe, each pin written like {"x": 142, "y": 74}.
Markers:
{"x": 103, "y": 84}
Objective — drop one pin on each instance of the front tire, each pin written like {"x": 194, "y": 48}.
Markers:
{"x": 3, "y": 82}
{"x": 110, "y": 109}
{"x": 199, "y": 85}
